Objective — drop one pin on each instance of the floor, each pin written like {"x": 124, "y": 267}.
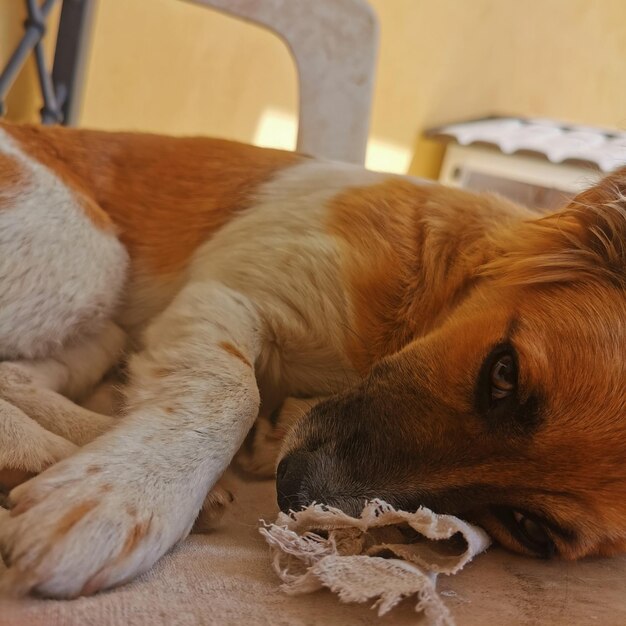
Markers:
{"x": 225, "y": 578}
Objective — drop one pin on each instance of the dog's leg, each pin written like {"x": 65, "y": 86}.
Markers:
{"x": 38, "y": 426}
{"x": 112, "y": 509}
{"x": 107, "y": 398}
{"x": 77, "y": 368}
{"x": 261, "y": 449}
{"x": 25, "y": 447}
{"x": 39, "y": 387}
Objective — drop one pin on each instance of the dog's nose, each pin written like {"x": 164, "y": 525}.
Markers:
{"x": 289, "y": 480}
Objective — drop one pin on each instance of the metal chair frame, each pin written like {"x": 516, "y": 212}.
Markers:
{"x": 61, "y": 85}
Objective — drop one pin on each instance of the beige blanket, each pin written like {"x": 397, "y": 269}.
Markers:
{"x": 226, "y": 578}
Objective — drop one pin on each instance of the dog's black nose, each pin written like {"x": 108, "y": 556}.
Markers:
{"x": 289, "y": 481}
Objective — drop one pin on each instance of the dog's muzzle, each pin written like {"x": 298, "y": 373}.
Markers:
{"x": 290, "y": 481}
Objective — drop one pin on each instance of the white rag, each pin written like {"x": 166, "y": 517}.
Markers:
{"x": 384, "y": 554}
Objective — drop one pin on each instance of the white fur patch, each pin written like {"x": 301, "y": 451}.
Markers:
{"x": 278, "y": 254}
{"x": 59, "y": 274}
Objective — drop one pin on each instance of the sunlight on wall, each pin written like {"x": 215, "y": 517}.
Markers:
{"x": 276, "y": 129}
{"x": 386, "y": 156}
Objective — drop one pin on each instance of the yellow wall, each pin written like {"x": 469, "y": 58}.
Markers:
{"x": 24, "y": 99}
{"x": 171, "y": 66}
{"x": 181, "y": 68}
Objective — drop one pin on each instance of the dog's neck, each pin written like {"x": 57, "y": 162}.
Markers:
{"x": 448, "y": 235}
{"x": 460, "y": 234}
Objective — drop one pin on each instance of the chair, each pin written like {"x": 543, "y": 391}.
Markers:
{"x": 334, "y": 45}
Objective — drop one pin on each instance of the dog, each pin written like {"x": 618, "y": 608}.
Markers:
{"x": 469, "y": 351}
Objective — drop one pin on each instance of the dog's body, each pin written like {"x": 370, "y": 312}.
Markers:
{"x": 242, "y": 276}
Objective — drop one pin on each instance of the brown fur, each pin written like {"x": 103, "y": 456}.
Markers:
{"x": 228, "y": 347}
{"x": 201, "y": 184}
{"x": 418, "y": 263}
{"x": 139, "y": 531}
{"x": 12, "y": 177}
{"x": 73, "y": 516}
{"x": 584, "y": 242}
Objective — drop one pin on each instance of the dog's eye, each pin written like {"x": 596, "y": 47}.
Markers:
{"x": 533, "y": 535}
{"x": 496, "y": 388}
{"x": 503, "y": 378}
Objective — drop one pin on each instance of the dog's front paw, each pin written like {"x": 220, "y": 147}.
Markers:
{"x": 79, "y": 527}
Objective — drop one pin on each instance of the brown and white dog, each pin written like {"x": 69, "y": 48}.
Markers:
{"x": 476, "y": 348}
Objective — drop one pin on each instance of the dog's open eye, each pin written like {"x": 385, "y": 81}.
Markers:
{"x": 533, "y": 535}
{"x": 503, "y": 377}
{"x": 498, "y": 398}
{"x": 496, "y": 388}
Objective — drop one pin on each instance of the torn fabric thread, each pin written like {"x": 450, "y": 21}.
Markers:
{"x": 384, "y": 555}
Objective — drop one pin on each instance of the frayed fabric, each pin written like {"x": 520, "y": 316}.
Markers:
{"x": 385, "y": 555}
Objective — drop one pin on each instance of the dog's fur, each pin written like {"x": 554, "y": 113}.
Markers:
{"x": 236, "y": 277}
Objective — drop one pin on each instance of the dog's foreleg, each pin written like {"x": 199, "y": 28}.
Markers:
{"x": 112, "y": 509}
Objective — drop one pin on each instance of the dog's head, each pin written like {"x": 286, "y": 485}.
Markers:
{"x": 512, "y": 412}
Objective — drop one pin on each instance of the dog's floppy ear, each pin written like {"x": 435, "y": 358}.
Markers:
{"x": 601, "y": 212}
{"x": 610, "y": 189}
{"x": 584, "y": 241}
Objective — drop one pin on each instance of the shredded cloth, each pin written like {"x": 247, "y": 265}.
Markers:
{"x": 385, "y": 554}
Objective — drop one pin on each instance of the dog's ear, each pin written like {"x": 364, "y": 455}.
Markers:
{"x": 601, "y": 214}
{"x": 611, "y": 189}
{"x": 584, "y": 241}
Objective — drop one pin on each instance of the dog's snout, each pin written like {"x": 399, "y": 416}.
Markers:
{"x": 289, "y": 481}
